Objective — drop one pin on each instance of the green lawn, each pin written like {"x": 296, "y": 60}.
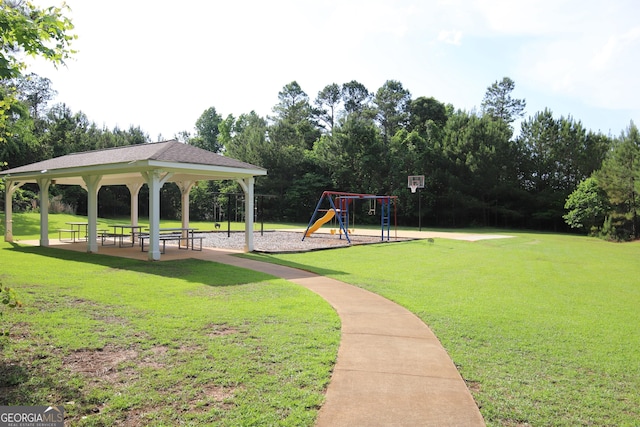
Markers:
{"x": 125, "y": 342}
{"x": 544, "y": 328}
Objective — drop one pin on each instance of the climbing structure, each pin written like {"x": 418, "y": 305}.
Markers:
{"x": 335, "y": 205}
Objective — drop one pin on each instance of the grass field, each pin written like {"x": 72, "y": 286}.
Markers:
{"x": 125, "y": 342}
{"x": 544, "y": 328}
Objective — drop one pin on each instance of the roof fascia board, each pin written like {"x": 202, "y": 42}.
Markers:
{"x": 106, "y": 169}
{"x": 205, "y": 169}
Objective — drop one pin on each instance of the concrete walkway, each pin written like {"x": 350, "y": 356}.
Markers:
{"x": 391, "y": 369}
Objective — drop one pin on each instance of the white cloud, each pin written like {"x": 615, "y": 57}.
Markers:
{"x": 614, "y": 50}
{"x": 597, "y": 69}
{"x": 450, "y": 37}
{"x": 160, "y": 63}
{"x": 528, "y": 17}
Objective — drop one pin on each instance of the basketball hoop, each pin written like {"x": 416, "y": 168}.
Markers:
{"x": 415, "y": 181}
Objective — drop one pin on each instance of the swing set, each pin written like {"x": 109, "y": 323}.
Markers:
{"x": 338, "y": 210}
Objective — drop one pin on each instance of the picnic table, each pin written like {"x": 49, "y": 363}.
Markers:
{"x": 179, "y": 234}
{"x": 74, "y": 231}
{"x": 119, "y": 234}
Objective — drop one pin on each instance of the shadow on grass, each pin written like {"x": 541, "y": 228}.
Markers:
{"x": 12, "y": 384}
{"x": 263, "y": 257}
{"x": 194, "y": 270}
{"x": 28, "y": 225}
{"x": 24, "y": 386}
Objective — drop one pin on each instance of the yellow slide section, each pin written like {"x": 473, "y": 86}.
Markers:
{"x": 320, "y": 222}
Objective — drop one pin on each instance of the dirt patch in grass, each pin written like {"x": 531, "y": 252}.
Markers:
{"x": 217, "y": 330}
{"x": 115, "y": 366}
{"x": 153, "y": 360}
{"x": 99, "y": 363}
{"x": 474, "y": 386}
{"x": 104, "y": 362}
{"x": 217, "y": 393}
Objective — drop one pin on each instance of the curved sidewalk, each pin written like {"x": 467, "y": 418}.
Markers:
{"x": 391, "y": 369}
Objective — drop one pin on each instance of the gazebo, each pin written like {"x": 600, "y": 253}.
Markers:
{"x": 153, "y": 164}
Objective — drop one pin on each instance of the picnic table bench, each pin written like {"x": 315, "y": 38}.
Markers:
{"x": 179, "y": 235}
{"x": 73, "y": 234}
{"x": 74, "y": 231}
{"x": 118, "y": 235}
{"x": 105, "y": 235}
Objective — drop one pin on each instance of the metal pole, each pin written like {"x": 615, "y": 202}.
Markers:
{"x": 419, "y": 211}
{"x": 229, "y": 214}
{"x": 260, "y": 212}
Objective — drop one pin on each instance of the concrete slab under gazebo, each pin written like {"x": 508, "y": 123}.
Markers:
{"x": 153, "y": 164}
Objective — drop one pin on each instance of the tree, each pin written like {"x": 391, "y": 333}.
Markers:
{"x": 245, "y": 137}
{"x": 17, "y": 140}
{"x": 293, "y": 103}
{"x": 63, "y": 132}
{"x": 207, "y": 131}
{"x": 359, "y": 164}
{"x": 620, "y": 178}
{"x": 558, "y": 155}
{"x": 587, "y": 206}
{"x": 29, "y": 30}
{"x": 499, "y": 104}
{"x": 327, "y": 103}
{"x": 480, "y": 177}
{"x": 36, "y": 92}
{"x": 225, "y": 129}
{"x": 356, "y": 97}
{"x": 293, "y": 124}
{"x": 425, "y": 111}
{"x": 392, "y": 102}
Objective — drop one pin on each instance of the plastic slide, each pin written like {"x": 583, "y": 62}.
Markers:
{"x": 320, "y": 222}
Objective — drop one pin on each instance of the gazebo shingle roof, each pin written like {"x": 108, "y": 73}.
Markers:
{"x": 168, "y": 151}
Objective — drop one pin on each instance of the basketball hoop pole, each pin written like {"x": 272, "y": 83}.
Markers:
{"x": 416, "y": 182}
{"x": 419, "y": 211}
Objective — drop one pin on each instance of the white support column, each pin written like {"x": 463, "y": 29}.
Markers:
{"x": 155, "y": 182}
{"x": 44, "y": 184}
{"x": 134, "y": 190}
{"x": 93, "y": 186}
{"x": 10, "y": 188}
{"x": 185, "y": 188}
{"x": 247, "y": 185}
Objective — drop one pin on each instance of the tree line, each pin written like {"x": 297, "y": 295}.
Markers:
{"x": 553, "y": 174}
{"x": 477, "y": 173}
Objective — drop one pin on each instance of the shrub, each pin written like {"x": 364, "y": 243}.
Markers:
{"x": 7, "y": 299}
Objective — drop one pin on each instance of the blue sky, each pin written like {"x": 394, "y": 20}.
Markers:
{"x": 159, "y": 64}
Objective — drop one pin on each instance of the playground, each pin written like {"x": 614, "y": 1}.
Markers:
{"x": 338, "y": 209}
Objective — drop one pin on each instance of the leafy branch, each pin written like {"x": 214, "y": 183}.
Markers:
{"x": 9, "y": 299}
